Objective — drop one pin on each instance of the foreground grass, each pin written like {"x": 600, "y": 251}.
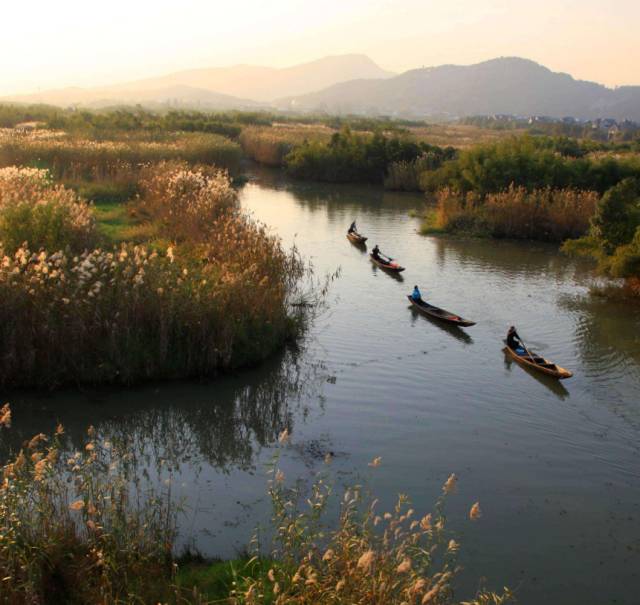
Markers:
{"x": 80, "y": 527}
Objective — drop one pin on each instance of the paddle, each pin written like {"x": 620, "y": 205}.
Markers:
{"x": 524, "y": 346}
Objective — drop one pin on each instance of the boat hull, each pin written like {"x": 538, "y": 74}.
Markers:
{"x": 391, "y": 267}
{"x": 549, "y": 368}
{"x": 441, "y": 314}
{"x": 356, "y": 238}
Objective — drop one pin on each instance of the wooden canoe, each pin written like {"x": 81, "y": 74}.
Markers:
{"x": 393, "y": 267}
{"x": 539, "y": 363}
{"x": 432, "y": 311}
{"x": 356, "y": 238}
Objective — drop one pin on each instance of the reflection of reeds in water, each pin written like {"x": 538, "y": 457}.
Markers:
{"x": 221, "y": 425}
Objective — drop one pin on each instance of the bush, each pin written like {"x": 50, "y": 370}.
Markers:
{"x": 34, "y": 210}
{"x": 532, "y": 163}
{"x": 405, "y": 175}
{"x": 350, "y": 158}
{"x": 618, "y": 215}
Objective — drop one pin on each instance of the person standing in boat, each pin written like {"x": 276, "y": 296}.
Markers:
{"x": 514, "y": 342}
{"x": 353, "y": 228}
{"x": 376, "y": 252}
{"x": 415, "y": 295}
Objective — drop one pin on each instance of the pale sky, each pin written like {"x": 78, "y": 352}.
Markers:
{"x": 57, "y": 43}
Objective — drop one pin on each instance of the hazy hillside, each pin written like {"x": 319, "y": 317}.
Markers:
{"x": 505, "y": 85}
{"x": 238, "y": 83}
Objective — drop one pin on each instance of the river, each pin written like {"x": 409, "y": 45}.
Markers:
{"x": 555, "y": 466}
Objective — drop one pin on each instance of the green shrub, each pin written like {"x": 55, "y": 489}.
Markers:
{"x": 532, "y": 163}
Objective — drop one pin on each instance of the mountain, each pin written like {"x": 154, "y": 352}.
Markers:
{"x": 501, "y": 86}
{"x": 232, "y": 86}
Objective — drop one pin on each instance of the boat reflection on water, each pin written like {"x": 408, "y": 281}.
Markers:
{"x": 456, "y": 331}
{"x": 552, "y": 384}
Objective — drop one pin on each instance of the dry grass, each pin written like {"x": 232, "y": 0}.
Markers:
{"x": 185, "y": 200}
{"x": 79, "y": 527}
{"x": 461, "y": 136}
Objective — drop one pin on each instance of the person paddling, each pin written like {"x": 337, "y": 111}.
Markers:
{"x": 415, "y": 295}
{"x": 514, "y": 342}
{"x": 353, "y": 228}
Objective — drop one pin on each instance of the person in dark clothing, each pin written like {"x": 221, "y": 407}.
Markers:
{"x": 353, "y": 228}
{"x": 376, "y": 252}
{"x": 514, "y": 342}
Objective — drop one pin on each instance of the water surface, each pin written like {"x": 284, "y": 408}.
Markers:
{"x": 555, "y": 466}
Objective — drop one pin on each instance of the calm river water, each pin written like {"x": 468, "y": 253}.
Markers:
{"x": 556, "y": 467}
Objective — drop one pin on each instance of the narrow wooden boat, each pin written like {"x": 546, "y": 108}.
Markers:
{"x": 355, "y": 238}
{"x": 424, "y": 307}
{"x": 539, "y": 363}
{"x": 391, "y": 266}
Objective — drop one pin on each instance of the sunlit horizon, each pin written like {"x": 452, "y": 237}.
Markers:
{"x": 47, "y": 46}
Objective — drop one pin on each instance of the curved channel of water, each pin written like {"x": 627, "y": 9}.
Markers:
{"x": 555, "y": 466}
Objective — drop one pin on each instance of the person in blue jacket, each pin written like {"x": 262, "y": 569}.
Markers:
{"x": 415, "y": 295}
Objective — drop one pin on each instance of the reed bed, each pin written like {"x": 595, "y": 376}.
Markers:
{"x": 134, "y": 313}
{"x": 33, "y": 209}
{"x": 216, "y": 298}
{"x": 73, "y": 159}
{"x": 542, "y": 214}
{"x": 271, "y": 144}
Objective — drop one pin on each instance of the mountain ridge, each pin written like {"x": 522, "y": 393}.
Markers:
{"x": 355, "y": 84}
{"x": 505, "y": 85}
{"x": 246, "y": 84}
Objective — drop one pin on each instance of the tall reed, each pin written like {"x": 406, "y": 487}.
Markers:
{"x": 542, "y": 214}
{"x": 365, "y": 556}
{"x": 75, "y": 159}
{"x": 75, "y": 529}
{"x": 34, "y": 210}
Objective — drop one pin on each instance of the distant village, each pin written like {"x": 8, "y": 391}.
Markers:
{"x": 601, "y": 128}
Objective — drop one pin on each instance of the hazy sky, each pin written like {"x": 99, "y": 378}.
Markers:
{"x": 57, "y": 43}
